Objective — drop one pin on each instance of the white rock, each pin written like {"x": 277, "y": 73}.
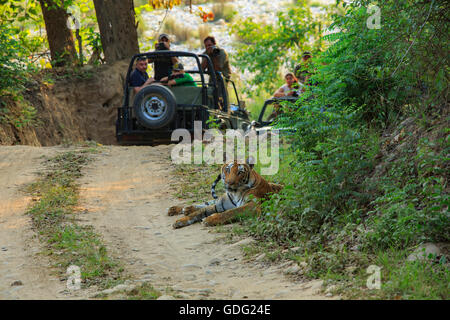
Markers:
{"x": 120, "y": 287}
{"x": 214, "y": 262}
{"x": 293, "y": 270}
{"x": 424, "y": 251}
{"x": 243, "y": 242}
{"x": 330, "y": 289}
{"x": 316, "y": 285}
{"x": 303, "y": 264}
{"x": 260, "y": 257}
{"x": 191, "y": 277}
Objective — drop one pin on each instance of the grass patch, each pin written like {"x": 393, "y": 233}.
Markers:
{"x": 144, "y": 292}
{"x": 54, "y": 216}
{"x": 197, "y": 181}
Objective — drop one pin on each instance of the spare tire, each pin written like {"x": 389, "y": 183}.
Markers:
{"x": 154, "y": 106}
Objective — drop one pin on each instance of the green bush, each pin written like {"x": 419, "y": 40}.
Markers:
{"x": 13, "y": 66}
{"x": 365, "y": 82}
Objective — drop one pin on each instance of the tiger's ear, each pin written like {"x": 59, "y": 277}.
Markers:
{"x": 251, "y": 162}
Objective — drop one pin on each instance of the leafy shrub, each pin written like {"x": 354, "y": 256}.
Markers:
{"x": 365, "y": 81}
{"x": 13, "y": 67}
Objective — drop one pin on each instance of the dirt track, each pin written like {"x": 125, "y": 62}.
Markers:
{"x": 19, "y": 260}
{"x": 125, "y": 192}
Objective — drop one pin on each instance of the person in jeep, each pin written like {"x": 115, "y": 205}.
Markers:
{"x": 301, "y": 70}
{"x": 139, "y": 77}
{"x": 179, "y": 77}
{"x": 163, "y": 65}
{"x": 218, "y": 57}
{"x": 292, "y": 87}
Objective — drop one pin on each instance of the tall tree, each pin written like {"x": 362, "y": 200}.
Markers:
{"x": 60, "y": 38}
{"x": 117, "y": 26}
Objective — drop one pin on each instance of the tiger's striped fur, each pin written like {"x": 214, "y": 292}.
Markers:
{"x": 240, "y": 181}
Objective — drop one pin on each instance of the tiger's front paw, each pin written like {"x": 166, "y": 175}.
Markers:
{"x": 183, "y": 222}
{"x": 172, "y": 211}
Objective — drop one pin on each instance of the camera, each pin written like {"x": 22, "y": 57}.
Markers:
{"x": 161, "y": 46}
{"x": 215, "y": 51}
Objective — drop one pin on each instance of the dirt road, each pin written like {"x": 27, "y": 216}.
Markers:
{"x": 125, "y": 190}
{"x": 23, "y": 273}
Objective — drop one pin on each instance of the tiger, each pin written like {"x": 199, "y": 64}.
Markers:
{"x": 241, "y": 182}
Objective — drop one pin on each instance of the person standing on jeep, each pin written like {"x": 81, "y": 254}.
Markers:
{"x": 163, "y": 65}
{"x": 139, "y": 77}
{"x": 301, "y": 70}
{"x": 218, "y": 57}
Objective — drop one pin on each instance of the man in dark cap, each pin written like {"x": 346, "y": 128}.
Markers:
{"x": 218, "y": 57}
{"x": 301, "y": 70}
{"x": 163, "y": 65}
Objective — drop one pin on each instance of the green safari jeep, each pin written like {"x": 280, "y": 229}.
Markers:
{"x": 150, "y": 116}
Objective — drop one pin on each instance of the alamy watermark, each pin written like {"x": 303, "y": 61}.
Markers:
{"x": 374, "y": 21}
{"x": 213, "y": 147}
{"x": 74, "y": 278}
{"x": 374, "y": 280}
{"x": 74, "y": 19}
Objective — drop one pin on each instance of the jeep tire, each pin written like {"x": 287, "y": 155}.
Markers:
{"x": 155, "y": 106}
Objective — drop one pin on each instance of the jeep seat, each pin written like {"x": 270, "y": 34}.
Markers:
{"x": 188, "y": 95}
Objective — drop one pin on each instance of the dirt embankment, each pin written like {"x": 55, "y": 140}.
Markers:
{"x": 74, "y": 108}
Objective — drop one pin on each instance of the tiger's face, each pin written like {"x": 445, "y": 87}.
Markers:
{"x": 235, "y": 175}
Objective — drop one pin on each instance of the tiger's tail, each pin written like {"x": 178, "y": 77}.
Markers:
{"x": 213, "y": 187}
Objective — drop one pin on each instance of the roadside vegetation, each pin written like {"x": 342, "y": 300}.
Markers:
{"x": 54, "y": 215}
{"x": 366, "y": 174}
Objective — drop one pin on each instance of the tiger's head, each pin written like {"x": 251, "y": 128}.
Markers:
{"x": 237, "y": 176}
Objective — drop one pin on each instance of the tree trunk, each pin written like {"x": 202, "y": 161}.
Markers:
{"x": 59, "y": 36}
{"x": 117, "y": 29}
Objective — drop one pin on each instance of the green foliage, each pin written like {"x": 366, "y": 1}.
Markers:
{"x": 265, "y": 48}
{"x": 12, "y": 64}
{"x": 382, "y": 72}
{"x": 413, "y": 205}
{"x": 343, "y": 194}
{"x": 334, "y": 151}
